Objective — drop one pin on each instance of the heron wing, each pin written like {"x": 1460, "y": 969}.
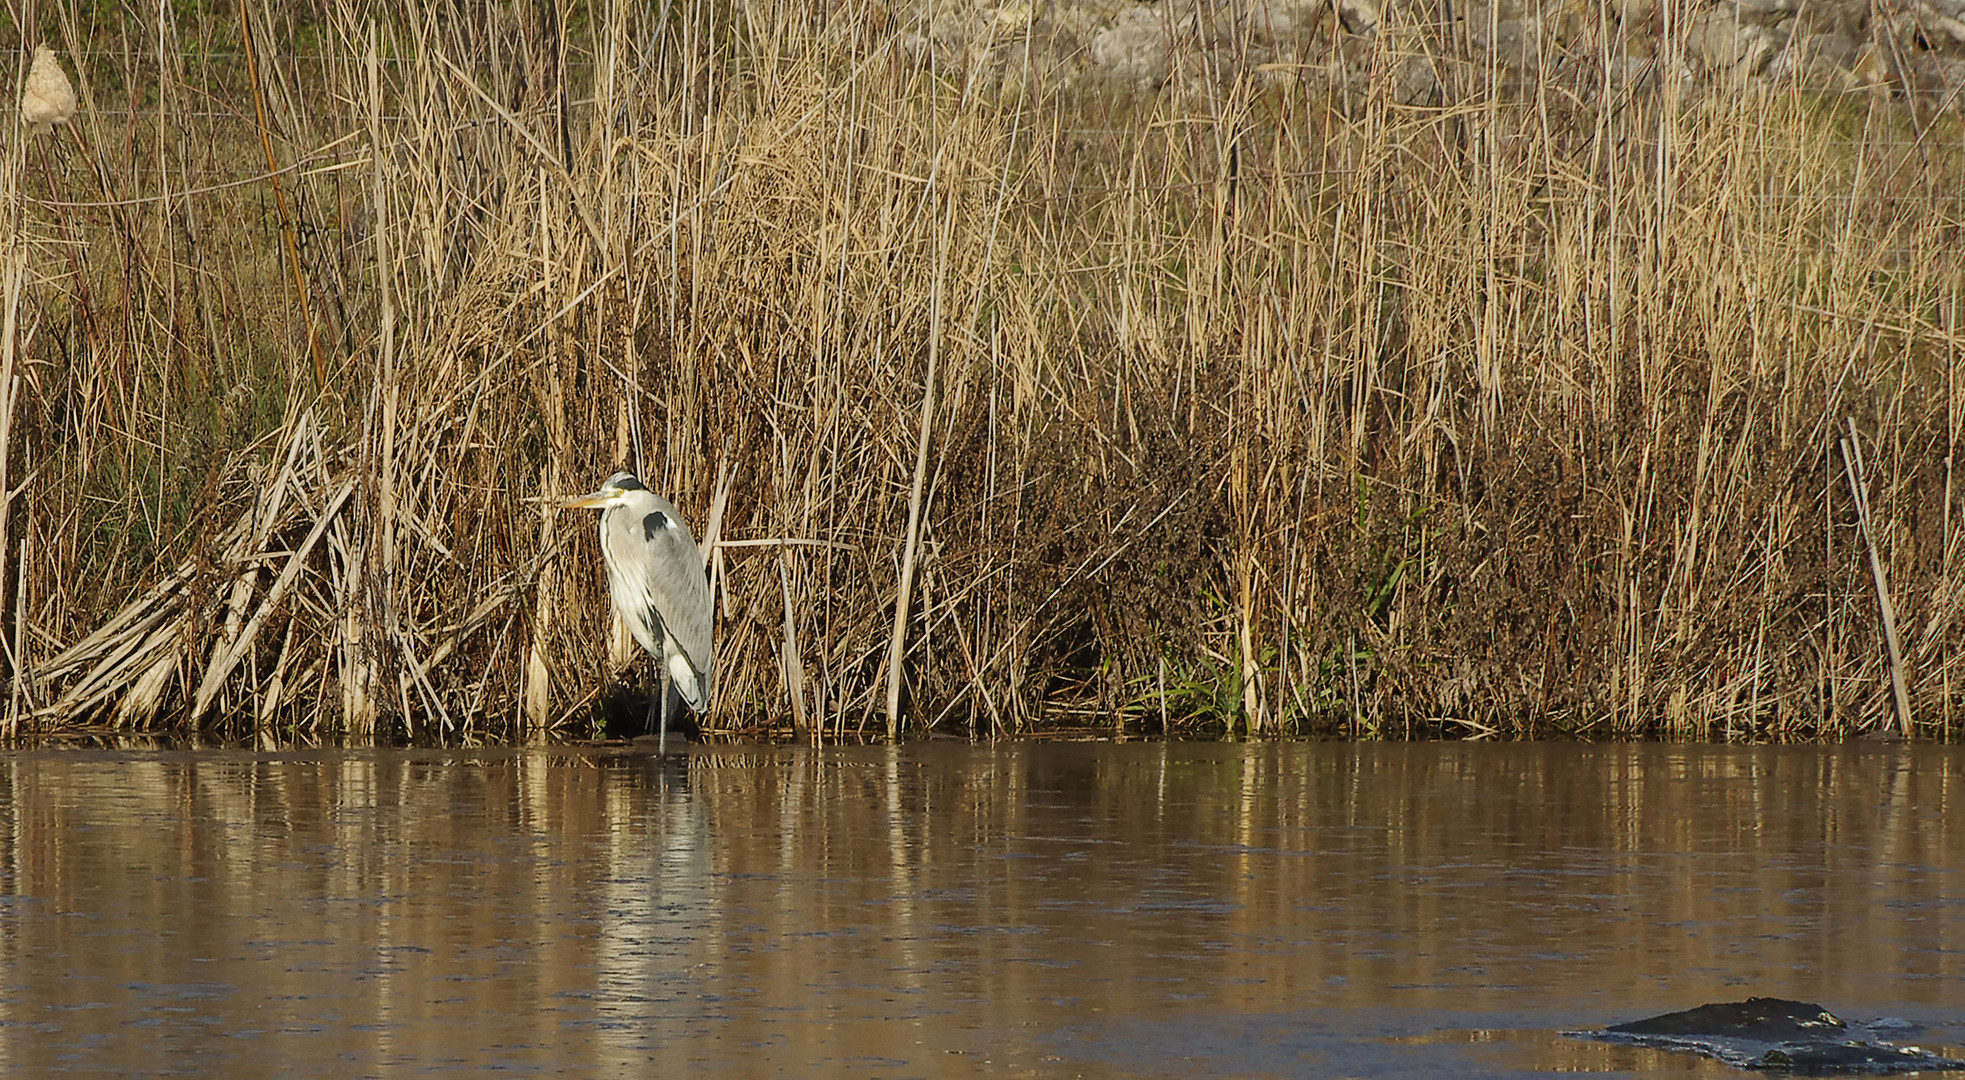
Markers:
{"x": 658, "y": 577}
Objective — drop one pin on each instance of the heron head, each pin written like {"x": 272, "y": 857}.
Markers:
{"x": 611, "y": 493}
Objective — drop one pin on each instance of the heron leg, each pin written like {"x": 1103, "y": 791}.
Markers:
{"x": 649, "y": 720}
{"x": 662, "y": 740}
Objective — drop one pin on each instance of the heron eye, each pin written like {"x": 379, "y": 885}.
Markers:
{"x": 653, "y": 524}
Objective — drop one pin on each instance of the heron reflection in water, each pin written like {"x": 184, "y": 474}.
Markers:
{"x": 660, "y": 590}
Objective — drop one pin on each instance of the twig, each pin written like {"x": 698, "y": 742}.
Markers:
{"x": 1852, "y": 464}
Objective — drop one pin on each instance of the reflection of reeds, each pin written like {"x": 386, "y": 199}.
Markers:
{"x": 565, "y": 885}
{"x": 1504, "y": 413}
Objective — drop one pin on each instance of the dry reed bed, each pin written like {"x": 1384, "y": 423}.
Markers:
{"x": 1238, "y": 405}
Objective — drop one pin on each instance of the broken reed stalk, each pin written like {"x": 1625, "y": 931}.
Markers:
{"x": 13, "y": 582}
{"x": 897, "y": 641}
{"x": 224, "y": 660}
{"x": 1852, "y": 464}
{"x": 13, "y": 267}
{"x": 794, "y": 667}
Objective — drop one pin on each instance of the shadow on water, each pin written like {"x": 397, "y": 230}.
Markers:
{"x": 625, "y": 711}
{"x": 1153, "y": 910}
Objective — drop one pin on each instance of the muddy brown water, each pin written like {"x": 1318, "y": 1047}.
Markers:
{"x": 1152, "y": 910}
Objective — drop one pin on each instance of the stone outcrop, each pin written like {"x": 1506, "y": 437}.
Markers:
{"x": 1892, "y": 46}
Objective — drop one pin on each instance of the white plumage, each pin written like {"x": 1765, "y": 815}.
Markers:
{"x": 655, "y": 574}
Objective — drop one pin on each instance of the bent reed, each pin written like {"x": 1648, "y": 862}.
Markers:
{"x": 1262, "y": 401}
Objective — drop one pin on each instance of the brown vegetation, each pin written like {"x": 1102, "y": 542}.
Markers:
{"x": 1278, "y": 404}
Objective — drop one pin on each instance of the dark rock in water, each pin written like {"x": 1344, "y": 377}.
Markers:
{"x": 1765, "y": 1019}
{"x": 1777, "y": 1035}
{"x": 1854, "y": 1057}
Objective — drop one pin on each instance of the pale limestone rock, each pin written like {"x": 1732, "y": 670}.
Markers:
{"x": 1819, "y": 61}
{"x": 1514, "y": 43}
{"x": 1724, "y": 44}
{"x": 1417, "y": 85}
{"x": 1868, "y": 71}
{"x": 1953, "y": 28}
{"x": 1135, "y": 49}
{"x": 1360, "y": 16}
{"x": 1011, "y": 17}
{"x": 1020, "y": 47}
{"x": 1635, "y": 15}
{"x": 1763, "y": 12}
{"x": 1633, "y": 72}
{"x": 1265, "y": 23}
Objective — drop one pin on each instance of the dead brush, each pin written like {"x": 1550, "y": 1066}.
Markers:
{"x": 1013, "y": 392}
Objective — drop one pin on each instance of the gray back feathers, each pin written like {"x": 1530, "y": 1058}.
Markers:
{"x": 660, "y": 588}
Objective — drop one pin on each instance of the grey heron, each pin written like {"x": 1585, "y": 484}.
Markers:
{"x": 659, "y": 587}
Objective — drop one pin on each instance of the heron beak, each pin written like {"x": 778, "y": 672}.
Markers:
{"x": 586, "y": 502}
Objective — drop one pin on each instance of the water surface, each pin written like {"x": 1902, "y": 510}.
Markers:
{"x": 1151, "y": 910}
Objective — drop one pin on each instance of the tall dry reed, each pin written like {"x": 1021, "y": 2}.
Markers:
{"x": 1270, "y": 400}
